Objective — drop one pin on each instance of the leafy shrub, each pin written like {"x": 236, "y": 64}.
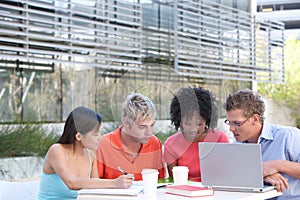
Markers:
{"x": 163, "y": 136}
{"x": 25, "y": 140}
{"x": 33, "y": 140}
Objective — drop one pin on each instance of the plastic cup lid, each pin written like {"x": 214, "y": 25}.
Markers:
{"x": 149, "y": 171}
{"x": 180, "y": 168}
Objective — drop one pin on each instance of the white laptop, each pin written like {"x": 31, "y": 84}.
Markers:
{"x": 232, "y": 167}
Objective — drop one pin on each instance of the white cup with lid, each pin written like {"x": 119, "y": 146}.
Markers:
{"x": 150, "y": 178}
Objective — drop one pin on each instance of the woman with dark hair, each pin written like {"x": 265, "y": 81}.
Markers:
{"x": 70, "y": 163}
{"x": 193, "y": 111}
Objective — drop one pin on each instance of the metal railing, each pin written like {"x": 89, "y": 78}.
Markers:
{"x": 205, "y": 40}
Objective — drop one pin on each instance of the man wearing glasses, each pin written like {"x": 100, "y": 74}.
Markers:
{"x": 280, "y": 145}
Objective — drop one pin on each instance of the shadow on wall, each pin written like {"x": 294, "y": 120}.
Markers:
{"x": 278, "y": 114}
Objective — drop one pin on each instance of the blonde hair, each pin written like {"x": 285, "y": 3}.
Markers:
{"x": 138, "y": 107}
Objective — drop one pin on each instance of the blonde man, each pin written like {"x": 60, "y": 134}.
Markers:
{"x": 132, "y": 147}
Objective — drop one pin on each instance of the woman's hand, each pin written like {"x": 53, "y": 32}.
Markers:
{"x": 124, "y": 181}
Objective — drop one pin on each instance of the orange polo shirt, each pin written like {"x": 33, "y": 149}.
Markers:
{"x": 111, "y": 155}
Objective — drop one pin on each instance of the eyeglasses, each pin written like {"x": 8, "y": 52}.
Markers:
{"x": 235, "y": 124}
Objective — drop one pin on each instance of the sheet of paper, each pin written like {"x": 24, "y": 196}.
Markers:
{"x": 135, "y": 190}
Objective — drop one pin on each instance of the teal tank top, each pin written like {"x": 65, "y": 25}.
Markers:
{"x": 52, "y": 187}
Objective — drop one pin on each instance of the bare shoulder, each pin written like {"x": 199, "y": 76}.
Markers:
{"x": 54, "y": 155}
{"x": 56, "y": 149}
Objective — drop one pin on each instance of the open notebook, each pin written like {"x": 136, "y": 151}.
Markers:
{"x": 134, "y": 190}
{"x": 232, "y": 167}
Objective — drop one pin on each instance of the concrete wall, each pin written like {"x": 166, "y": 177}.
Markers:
{"x": 20, "y": 168}
{"x": 278, "y": 114}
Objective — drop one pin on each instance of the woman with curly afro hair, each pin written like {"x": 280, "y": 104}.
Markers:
{"x": 194, "y": 114}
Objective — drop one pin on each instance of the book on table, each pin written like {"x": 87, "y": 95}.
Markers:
{"x": 189, "y": 190}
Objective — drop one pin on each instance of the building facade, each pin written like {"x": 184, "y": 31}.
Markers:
{"x": 286, "y": 11}
{"x": 58, "y": 54}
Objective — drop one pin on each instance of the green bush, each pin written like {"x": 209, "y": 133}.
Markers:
{"x": 25, "y": 140}
{"x": 33, "y": 140}
{"x": 163, "y": 136}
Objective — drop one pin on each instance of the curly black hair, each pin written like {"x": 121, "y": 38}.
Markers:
{"x": 188, "y": 100}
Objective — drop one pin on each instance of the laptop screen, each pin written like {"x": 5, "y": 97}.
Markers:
{"x": 231, "y": 165}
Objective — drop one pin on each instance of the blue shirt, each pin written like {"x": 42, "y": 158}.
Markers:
{"x": 282, "y": 143}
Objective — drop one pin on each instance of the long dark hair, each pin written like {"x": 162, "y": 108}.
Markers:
{"x": 82, "y": 120}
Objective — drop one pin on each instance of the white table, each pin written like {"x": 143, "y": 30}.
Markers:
{"x": 219, "y": 195}
{"x": 222, "y": 195}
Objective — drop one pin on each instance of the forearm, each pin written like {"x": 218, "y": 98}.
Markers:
{"x": 289, "y": 168}
{"x": 103, "y": 183}
{"x": 80, "y": 183}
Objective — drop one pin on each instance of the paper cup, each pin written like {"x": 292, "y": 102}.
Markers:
{"x": 150, "y": 178}
{"x": 180, "y": 175}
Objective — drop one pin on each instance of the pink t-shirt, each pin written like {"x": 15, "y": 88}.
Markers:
{"x": 179, "y": 151}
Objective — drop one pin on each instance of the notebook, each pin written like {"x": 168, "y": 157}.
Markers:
{"x": 134, "y": 190}
{"x": 232, "y": 167}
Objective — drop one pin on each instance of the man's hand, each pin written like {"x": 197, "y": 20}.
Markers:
{"x": 277, "y": 180}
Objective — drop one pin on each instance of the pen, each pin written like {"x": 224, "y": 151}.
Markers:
{"x": 122, "y": 170}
